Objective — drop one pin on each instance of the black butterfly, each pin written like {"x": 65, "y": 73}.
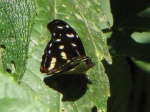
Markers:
{"x": 64, "y": 53}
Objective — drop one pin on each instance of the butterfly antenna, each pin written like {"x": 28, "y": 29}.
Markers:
{"x": 78, "y": 53}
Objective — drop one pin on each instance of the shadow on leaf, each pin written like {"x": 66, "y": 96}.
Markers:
{"x": 71, "y": 86}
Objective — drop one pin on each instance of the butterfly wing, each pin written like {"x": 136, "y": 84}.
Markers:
{"x": 64, "y": 45}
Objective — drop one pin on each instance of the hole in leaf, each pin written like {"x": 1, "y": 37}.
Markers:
{"x": 3, "y": 46}
{"x": 13, "y": 66}
{"x": 8, "y": 70}
{"x": 12, "y": 69}
{"x": 13, "y": 62}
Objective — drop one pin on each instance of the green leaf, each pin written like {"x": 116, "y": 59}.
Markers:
{"x": 84, "y": 17}
{"x": 16, "y": 19}
{"x": 14, "y": 98}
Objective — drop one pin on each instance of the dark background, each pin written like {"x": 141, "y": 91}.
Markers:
{"x": 129, "y": 42}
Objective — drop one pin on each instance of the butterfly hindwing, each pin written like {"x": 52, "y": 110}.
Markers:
{"x": 64, "y": 48}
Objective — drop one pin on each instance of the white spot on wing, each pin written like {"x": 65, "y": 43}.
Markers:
{"x": 49, "y": 51}
{"x": 67, "y": 26}
{"x": 59, "y": 34}
{"x": 73, "y": 44}
{"x": 45, "y": 61}
{"x": 58, "y": 40}
{"x": 52, "y": 63}
{"x": 70, "y": 35}
{"x": 77, "y": 36}
{"x": 61, "y": 47}
{"x": 50, "y": 44}
{"x": 63, "y": 54}
{"x": 54, "y": 34}
{"x": 60, "y": 27}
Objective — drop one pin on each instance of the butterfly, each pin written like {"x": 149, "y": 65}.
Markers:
{"x": 64, "y": 53}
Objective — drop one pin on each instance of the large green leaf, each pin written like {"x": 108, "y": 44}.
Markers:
{"x": 16, "y": 20}
{"x": 14, "y": 98}
{"x": 84, "y": 17}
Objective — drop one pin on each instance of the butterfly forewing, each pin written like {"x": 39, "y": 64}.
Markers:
{"x": 63, "y": 47}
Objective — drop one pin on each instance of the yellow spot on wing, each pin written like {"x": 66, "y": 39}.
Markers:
{"x": 52, "y": 63}
{"x": 61, "y": 47}
{"x": 63, "y": 54}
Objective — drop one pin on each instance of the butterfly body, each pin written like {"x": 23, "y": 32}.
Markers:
{"x": 64, "y": 53}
